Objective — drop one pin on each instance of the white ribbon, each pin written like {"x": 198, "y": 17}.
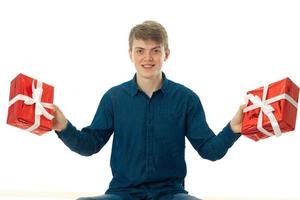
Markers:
{"x": 267, "y": 109}
{"x": 39, "y": 106}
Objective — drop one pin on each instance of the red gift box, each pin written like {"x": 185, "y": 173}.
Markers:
{"x": 271, "y": 110}
{"x": 30, "y": 105}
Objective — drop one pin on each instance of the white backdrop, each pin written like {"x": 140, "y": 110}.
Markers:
{"x": 220, "y": 49}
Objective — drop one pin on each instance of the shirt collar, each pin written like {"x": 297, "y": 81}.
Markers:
{"x": 134, "y": 89}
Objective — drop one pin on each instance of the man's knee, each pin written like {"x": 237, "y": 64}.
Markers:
{"x": 102, "y": 197}
{"x": 183, "y": 196}
{"x": 83, "y": 198}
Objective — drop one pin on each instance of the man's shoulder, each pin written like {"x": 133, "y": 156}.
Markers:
{"x": 120, "y": 88}
{"x": 178, "y": 87}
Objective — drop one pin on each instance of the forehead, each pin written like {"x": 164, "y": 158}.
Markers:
{"x": 145, "y": 43}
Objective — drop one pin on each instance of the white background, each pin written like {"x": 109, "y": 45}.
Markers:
{"x": 220, "y": 49}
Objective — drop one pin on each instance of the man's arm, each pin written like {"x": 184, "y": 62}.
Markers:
{"x": 91, "y": 138}
{"x": 203, "y": 139}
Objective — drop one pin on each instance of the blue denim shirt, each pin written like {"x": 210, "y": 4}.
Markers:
{"x": 149, "y": 136}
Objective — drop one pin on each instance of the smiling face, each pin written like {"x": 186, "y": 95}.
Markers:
{"x": 148, "y": 57}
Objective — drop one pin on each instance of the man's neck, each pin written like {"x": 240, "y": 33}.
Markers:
{"x": 149, "y": 85}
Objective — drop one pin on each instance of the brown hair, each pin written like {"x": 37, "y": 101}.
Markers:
{"x": 149, "y": 30}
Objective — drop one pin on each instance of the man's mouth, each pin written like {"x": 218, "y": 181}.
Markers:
{"x": 148, "y": 65}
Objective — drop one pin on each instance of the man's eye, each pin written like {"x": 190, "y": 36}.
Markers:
{"x": 157, "y": 51}
{"x": 139, "y": 51}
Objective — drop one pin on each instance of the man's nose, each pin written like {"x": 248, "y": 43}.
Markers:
{"x": 148, "y": 56}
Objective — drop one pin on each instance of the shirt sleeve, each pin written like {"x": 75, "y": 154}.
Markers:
{"x": 205, "y": 142}
{"x": 91, "y": 139}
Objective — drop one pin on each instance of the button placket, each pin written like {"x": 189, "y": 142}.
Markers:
{"x": 150, "y": 128}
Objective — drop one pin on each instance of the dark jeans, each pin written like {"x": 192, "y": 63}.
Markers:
{"x": 180, "y": 196}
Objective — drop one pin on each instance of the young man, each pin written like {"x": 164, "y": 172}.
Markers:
{"x": 150, "y": 117}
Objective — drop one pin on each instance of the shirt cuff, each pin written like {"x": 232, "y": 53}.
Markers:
{"x": 66, "y": 132}
{"x": 229, "y": 132}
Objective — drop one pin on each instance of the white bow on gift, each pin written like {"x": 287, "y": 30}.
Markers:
{"x": 39, "y": 106}
{"x": 267, "y": 109}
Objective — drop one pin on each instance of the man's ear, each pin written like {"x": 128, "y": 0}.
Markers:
{"x": 130, "y": 54}
{"x": 167, "y": 54}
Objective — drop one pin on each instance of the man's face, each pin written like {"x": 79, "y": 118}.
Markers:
{"x": 148, "y": 57}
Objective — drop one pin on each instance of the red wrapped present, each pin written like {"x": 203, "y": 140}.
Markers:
{"x": 30, "y": 105}
{"x": 271, "y": 110}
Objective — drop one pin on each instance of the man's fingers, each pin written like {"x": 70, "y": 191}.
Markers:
{"x": 242, "y": 107}
{"x": 53, "y": 107}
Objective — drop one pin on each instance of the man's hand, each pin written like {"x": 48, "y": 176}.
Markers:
{"x": 59, "y": 122}
{"x": 236, "y": 122}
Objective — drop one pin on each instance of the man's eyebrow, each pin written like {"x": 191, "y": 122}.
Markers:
{"x": 139, "y": 48}
{"x": 156, "y": 47}
{"x": 145, "y": 48}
